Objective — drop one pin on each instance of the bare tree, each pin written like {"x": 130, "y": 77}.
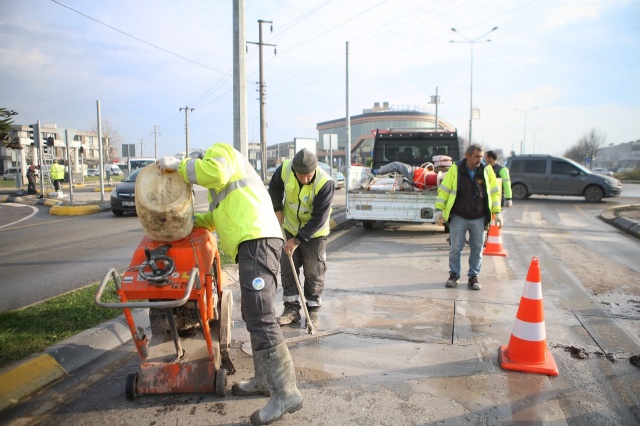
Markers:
{"x": 586, "y": 146}
{"x": 111, "y": 141}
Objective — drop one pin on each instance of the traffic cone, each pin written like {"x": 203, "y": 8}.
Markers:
{"x": 527, "y": 349}
{"x": 493, "y": 246}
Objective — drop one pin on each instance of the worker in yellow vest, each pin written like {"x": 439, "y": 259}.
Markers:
{"x": 57, "y": 174}
{"x": 240, "y": 212}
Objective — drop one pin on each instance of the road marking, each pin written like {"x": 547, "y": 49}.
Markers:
{"x": 35, "y": 210}
{"x": 570, "y": 220}
{"x": 531, "y": 218}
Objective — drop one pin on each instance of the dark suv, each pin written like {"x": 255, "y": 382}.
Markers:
{"x": 549, "y": 175}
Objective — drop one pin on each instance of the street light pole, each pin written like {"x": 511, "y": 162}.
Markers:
{"x": 471, "y": 42}
{"x": 524, "y": 136}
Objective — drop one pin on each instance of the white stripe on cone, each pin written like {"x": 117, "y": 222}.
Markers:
{"x": 531, "y": 331}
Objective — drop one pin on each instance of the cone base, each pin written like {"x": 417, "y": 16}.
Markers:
{"x": 495, "y": 253}
{"x": 548, "y": 367}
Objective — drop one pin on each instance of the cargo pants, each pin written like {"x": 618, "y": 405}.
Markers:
{"x": 312, "y": 257}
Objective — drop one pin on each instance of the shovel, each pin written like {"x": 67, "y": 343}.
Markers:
{"x": 310, "y": 328}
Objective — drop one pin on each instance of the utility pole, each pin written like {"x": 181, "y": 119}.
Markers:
{"x": 263, "y": 122}
{"x": 141, "y": 142}
{"x": 186, "y": 126}
{"x": 239, "y": 80}
{"x": 155, "y": 134}
{"x": 435, "y": 100}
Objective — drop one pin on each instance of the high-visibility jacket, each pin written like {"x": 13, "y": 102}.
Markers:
{"x": 240, "y": 208}
{"x": 298, "y": 200}
{"x": 503, "y": 173}
{"x": 448, "y": 190}
{"x": 57, "y": 171}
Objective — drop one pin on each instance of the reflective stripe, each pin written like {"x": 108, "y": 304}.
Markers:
{"x": 492, "y": 239}
{"x": 495, "y": 189}
{"x": 533, "y": 332}
{"x": 445, "y": 189}
{"x": 532, "y": 291}
{"x": 191, "y": 171}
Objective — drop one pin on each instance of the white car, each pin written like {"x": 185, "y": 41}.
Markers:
{"x": 602, "y": 171}
{"x": 338, "y": 178}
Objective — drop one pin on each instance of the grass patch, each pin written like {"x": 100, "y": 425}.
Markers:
{"x": 33, "y": 329}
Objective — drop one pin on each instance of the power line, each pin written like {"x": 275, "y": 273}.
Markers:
{"x": 140, "y": 40}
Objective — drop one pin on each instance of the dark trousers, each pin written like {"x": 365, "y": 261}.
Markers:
{"x": 312, "y": 257}
{"x": 258, "y": 263}
{"x": 56, "y": 184}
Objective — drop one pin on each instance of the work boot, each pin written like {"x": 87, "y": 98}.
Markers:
{"x": 257, "y": 385}
{"x": 453, "y": 280}
{"x": 314, "y": 315}
{"x": 291, "y": 313}
{"x": 285, "y": 398}
{"x": 474, "y": 284}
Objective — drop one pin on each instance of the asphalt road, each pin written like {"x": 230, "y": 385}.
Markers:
{"x": 414, "y": 352}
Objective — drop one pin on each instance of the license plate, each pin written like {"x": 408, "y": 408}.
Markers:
{"x": 128, "y": 203}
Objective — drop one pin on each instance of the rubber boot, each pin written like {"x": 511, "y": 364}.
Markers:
{"x": 281, "y": 376}
{"x": 257, "y": 385}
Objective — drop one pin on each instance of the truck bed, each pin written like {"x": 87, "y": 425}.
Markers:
{"x": 392, "y": 206}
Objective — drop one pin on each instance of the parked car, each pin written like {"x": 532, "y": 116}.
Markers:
{"x": 123, "y": 196}
{"x": 549, "y": 175}
{"x": 338, "y": 178}
{"x": 602, "y": 171}
{"x": 113, "y": 170}
{"x": 93, "y": 172}
{"x": 10, "y": 173}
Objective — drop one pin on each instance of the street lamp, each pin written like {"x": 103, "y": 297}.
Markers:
{"x": 524, "y": 136}
{"x": 471, "y": 42}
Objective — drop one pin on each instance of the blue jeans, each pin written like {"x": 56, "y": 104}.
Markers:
{"x": 458, "y": 228}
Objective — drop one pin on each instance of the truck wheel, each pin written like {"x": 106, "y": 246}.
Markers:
{"x": 593, "y": 194}
{"x": 367, "y": 224}
{"x": 519, "y": 191}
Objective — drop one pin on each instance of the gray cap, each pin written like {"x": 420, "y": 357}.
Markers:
{"x": 304, "y": 162}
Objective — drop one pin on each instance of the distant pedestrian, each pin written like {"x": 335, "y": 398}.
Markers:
{"x": 467, "y": 198}
{"x": 301, "y": 194}
{"x": 57, "y": 174}
{"x": 31, "y": 179}
{"x": 503, "y": 173}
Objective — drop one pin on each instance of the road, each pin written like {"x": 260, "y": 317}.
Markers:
{"x": 414, "y": 352}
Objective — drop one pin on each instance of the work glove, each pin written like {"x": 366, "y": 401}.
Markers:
{"x": 169, "y": 164}
{"x": 437, "y": 216}
{"x": 508, "y": 203}
{"x": 498, "y": 218}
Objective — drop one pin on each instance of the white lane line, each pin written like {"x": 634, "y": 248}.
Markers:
{"x": 35, "y": 210}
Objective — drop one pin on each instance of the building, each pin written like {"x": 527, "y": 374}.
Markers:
{"x": 363, "y": 129}
{"x": 622, "y": 156}
{"x": 83, "y": 145}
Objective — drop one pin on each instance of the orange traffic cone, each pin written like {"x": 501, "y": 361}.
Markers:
{"x": 527, "y": 350}
{"x": 493, "y": 247}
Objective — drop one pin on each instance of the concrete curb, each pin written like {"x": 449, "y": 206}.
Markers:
{"x": 25, "y": 377}
{"x": 612, "y": 217}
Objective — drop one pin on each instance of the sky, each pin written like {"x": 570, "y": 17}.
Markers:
{"x": 553, "y": 70}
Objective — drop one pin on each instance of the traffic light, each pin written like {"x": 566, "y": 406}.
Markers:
{"x": 81, "y": 150}
{"x": 50, "y": 141}
{"x": 35, "y": 135}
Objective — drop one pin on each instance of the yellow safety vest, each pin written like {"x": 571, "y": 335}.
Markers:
{"x": 240, "y": 208}
{"x": 57, "y": 171}
{"x": 448, "y": 189}
{"x": 298, "y": 200}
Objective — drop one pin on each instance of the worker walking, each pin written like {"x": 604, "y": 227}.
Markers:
{"x": 501, "y": 172}
{"x": 302, "y": 193}
{"x": 240, "y": 213}
{"x": 57, "y": 174}
{"x": 467, "y": 198}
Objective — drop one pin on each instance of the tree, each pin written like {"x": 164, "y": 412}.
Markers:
{"x": 111, "y": 141}
{"x": 5, "y": 126}
{"x": 587, "y": 146}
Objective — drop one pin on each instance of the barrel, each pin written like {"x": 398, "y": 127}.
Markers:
{"x": 164, "y": 204}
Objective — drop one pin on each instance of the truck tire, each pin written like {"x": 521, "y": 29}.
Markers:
{"x": 367, "y": 224}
